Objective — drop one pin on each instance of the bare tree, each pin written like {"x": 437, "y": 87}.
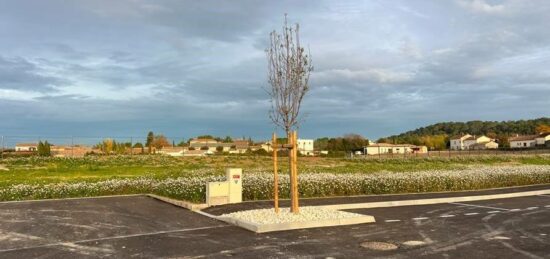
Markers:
{"x": 289, "y": 67}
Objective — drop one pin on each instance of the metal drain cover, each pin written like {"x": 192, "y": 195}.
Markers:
{"x": 380, "y": 246}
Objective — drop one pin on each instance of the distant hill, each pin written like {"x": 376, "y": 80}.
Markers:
{"x": 443, "y": 130}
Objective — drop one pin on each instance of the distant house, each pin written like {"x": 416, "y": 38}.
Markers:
{"x": 386, "y": 148}
{"x": 240, "y": 146}
{"x": 266, "y": 146}
{"x": 543, "y": 139}
{"x": 172, "y": 151}
{"x": 70, "y": 151}
{"x": 527, "y": 141}
{"x": 210, "y": 145}
{"x": 26, "y": 147}
{"x": 203, "y": 144}
{"x": 457, "y": 142}
{"x": 467, "y": 141}
{"x": 484, "y": 145}
{"x": 195, "y": 153}
{"x": 305, "y": 147}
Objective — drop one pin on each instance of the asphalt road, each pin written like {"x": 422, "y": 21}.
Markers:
{"x": 141, "y": 227}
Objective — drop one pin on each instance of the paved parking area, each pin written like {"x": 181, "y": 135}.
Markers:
{"x": 141, "y": 227}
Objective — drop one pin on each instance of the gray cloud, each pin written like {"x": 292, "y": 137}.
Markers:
{"x": 199, "y": 66}
{"x": 19, "y": 73}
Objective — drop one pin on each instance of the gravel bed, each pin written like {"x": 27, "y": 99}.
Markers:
{"x": 308, "y": 213}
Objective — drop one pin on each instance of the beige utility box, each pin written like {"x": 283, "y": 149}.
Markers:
{"x": 235, "y": 179}
{"x": 217, "y": 193}
{"x": 230, "y": 191}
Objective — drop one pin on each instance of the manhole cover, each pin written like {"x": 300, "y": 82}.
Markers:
{"x": 380, "y": 246}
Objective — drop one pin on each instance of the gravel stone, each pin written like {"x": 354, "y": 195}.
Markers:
{"x": 308, "y": 213}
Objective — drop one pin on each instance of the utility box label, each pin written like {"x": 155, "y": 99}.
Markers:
{"x": 234, "y": 176}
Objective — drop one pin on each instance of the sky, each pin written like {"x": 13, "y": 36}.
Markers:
{"x": 186, "y": 68}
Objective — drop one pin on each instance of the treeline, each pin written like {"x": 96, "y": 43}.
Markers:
{"x": 437, "y": 136}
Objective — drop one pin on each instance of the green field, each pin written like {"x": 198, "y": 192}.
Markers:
{"x": 36, "y": 177}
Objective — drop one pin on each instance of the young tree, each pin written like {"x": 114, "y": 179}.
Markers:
{"x": 47, "y": 149}
{"x": 160, "y": 141}
{"x": 227, "y": 139}
{"x": 289, "y": 67}
{"x": 108, "y": 146}
{"x": 150, "y": 139}
{"x": 40, "y": 148}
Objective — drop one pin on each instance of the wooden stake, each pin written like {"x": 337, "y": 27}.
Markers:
{"x": 295, "y": 171}
{"x": 275, "y": 174}
{"x": 291, "y": 170}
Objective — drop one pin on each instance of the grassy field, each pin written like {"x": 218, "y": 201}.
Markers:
{"x": 25, "y": 176}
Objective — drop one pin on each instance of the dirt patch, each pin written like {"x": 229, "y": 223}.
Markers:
{"x": 3, "y": 168}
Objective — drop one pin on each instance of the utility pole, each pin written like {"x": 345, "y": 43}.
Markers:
{"x": 275, "y": 174}
{"x": 2, "y": 154}
{"x": 131, "y": 146}
{"x": 72, "y": 146}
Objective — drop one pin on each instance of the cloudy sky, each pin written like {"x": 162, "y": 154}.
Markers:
{"x": 182, "y": 68}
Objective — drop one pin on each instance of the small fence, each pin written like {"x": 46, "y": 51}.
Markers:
{"x": 457, "y": 153}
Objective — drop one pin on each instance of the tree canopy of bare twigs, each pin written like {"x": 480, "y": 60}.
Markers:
{"x": 289, "y": 67}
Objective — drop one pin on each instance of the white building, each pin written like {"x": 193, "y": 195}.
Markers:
{"x": 457, "y": 142}
{"x": 172, "y": 151}
{"x": 528, "y": 141}
{"x": 543, "y": 138}
{"x": 305, "y": 147}
{"x": 212, "y": 146}
{"x": 472, "y": 142}
{"x": 386, "y": 148}
{"x": 26, "y": 147}
{"x": 484, "y": 145}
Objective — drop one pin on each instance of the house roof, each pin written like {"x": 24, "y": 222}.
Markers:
{"x": 241, "y": 144}
{"x": 26, "y": 144}
{"x": 217, "y": 144}
{"x": 459, "y": 136}
{"x": 203, "y": 140}
{"x": 523, "y": 138}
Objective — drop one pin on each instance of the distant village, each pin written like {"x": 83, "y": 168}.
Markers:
{"x": 195, "y": 147}
{"x": 469, "y": 142}
{"x": 202, "y": 146}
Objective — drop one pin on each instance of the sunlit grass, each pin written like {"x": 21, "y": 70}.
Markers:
{"x": 184, "y": 178}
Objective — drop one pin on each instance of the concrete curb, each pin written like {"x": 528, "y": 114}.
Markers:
{"x": 366, "y": 218}
{"x": 179, "y": 203}
{"x": 408, "y": 193}
{"x": 263, "y": 228}
{"x": 382, "y": 204}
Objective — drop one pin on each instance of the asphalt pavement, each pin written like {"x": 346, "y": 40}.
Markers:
{"x": 142, "y": 227}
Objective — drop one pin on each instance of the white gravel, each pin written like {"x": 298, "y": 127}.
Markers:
{"x": 268, "y": 216}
